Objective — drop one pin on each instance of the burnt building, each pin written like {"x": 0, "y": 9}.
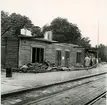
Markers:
{"x": 23, "y": 49}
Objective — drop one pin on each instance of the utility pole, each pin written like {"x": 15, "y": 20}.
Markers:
{"x": 98, "y": 43}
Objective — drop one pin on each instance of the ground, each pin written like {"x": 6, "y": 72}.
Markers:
{"x": 20, "y": 81}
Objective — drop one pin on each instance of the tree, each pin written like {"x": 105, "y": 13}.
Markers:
{"x": 36, "y": 31}
{"x": 4, "y": 22}
{"x": 16, "y": 22}
{"x": 46, "y": 28}
{"x": 74, "y": 34}
{"x": 60, "y": 25}
{"x": 84, "y": 42}
{"x": 102, "y": 52}
{"x": 67, "y": 32}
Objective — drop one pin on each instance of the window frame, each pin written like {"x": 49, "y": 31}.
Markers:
{"x": 37, "y": 60}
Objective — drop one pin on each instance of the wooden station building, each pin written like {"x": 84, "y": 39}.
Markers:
{"x": 24, "y": 48}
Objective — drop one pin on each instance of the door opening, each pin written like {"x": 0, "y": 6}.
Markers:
{"x": 78, "y": 58}
{"x": 58, "y": 57}
{"x": 67, "y": 58}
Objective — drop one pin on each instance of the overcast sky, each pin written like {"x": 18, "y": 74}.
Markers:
{"x": 84, "y": 13}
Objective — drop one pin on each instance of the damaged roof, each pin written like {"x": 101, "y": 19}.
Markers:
{"x": 37, "y": 38}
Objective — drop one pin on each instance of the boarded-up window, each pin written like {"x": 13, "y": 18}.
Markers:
{"x": 37, "y": 55}
{"x": 78, "y": 58}
{"x": 58, "y": 57}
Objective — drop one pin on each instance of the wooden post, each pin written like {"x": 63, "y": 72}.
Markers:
{"x": 8, "y": 72}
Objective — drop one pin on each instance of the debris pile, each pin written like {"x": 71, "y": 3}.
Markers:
{"x": 46, "y": 66}
{"x": 33, "y": 67}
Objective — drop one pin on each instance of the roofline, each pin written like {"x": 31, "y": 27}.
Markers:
{"x": 25, "y": 36}
{"x": 78, "y": 47}
{"x": 91, "y": 50}
{"x": 68, "y": 43}
{"x": 37, "y": 39}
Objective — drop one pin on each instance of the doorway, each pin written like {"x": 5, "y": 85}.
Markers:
{"x": 67, "y": 58}
{"x": 58, "y": 57}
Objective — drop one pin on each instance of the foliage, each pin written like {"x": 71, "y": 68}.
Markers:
{"x": 85, "y": 42}
{"x": 67, "y": 32}
{"x": 36, "y": 30}
{"x": 46, "y": 28}
{"x": 63, "y": 31}
{"x": 102, "y": 52}
{"x": 4, "y": 21}
{"x": 60, "y": 25}
{"x": 16, "y": 22}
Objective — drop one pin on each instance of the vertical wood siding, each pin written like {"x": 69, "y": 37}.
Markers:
{"x": 12, "y": 52}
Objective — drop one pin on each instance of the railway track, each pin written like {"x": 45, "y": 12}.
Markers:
{"x": 92, "y": 102}
{"x": 67, "y": 85}
{"x": 86, "y": 78}
{"x": 39, "y": 100}
{"x": 45, "y": 98}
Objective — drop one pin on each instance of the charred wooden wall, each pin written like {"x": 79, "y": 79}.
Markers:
{"x": 25, "y": 52}
{"x": 3, "y": 52}
{"x": 12, "y": 50}
{"x": 19, "y": 52}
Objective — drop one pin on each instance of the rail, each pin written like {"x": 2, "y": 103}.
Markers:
{"x": 50, "y": 85}
{"x": 50, "y": 95}
{"x": 96, "y": 99}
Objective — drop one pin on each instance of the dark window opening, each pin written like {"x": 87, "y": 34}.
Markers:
{"x": 78, "y": 58}
{"x": 67, "y": 58}
{"x": 37, "y": 55}
{"x": 58, "y": 57}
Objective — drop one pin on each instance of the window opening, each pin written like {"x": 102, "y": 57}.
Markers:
{"x": 37, "y": 55}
